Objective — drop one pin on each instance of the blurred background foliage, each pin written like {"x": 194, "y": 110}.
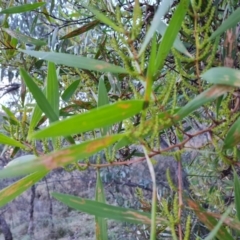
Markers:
{"x": 179, "y": 60}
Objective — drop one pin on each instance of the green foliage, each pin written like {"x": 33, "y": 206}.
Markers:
{"x": 101, "y": 223}
{"x": 68, "y": 93}
{"x": 237, "y": 194}
{"x": 9, "y": 141}
{"x": 76, "y": 61}
{"x": 112, "y": 80}
{"x": 22, "y": 8}
{"x": 11, "y": 192}
{"x": 104, "y": 210}
{"x": 61, "y": 158}
{"x": 23, "y": 38}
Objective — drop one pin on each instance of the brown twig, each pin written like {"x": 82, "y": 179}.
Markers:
{"x": 152, "y": 154}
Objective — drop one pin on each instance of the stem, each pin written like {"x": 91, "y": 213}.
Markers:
{"x": 196, "y": 35}
{"x": 180, "y": 201}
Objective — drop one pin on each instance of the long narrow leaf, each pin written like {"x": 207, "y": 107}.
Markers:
{"x": 81, "y": 30}
{"x": 9, "y": 193}
{"x": 34, "y": 23}
{"x": 163, "y": 7}
{"x": 68, "y": 93}
{"x": 102, "y": 94}
{"x": 154, "y": 195}
{"x": 237, "y": 194}
{"x": 150, "y": 70}
{"x": 222, "y": 75}
{"x": 162, "y": 26}
{"x": 52, "y": 88}
{"x": 21, "y": 160}
{"x": 203, "y": 98}
{"x": 171, "y": 33}
{"x": 76, "y": 61}
{"x": 101, "y": 223}
{"x": 60, "y": 158}
{"x": 35, "y": 118}
{"x": 232, "y": 21}
{"x": 233, "y": 135}
{"x": 9, "y": 141}
{"x": 231, "y": 222}
{"x": 209, "y": 221}
{"x": 23, "y": 8}
{"x": 103, "y": 100}
{"x": 96, "y": 118}
{"x": 24, "y": 38}
{"x": 104, "y": 210}
{"x": 104, "y": 19}
{"x": 38, "y": 96}
{"x": 214, "y": 232}
{"x": 10, "y": 115}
